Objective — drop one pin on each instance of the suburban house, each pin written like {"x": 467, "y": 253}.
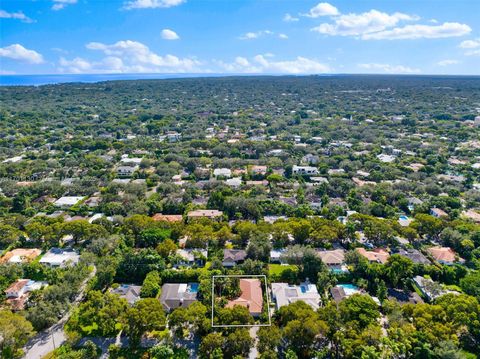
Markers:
{"x": 232, "y": 257}
{"x": 173, "y": 136}
{"x": 251, "y": 296}
{"x": 68, "y": 201}
{"x": 93, "y": 201}
{"x": 126, "y": 171}
{"x": 445, "y": 255}
{"x": 176, "y": 295}
{"x": 386, "y": 158}
{"x": 20, "y": 255}
{"x": 310, "y": 159}
{"x": 438, "y": 213}
{"x": 333, "y": 259}
{"x": 57, "y": 257}
{"x": 340, "y": 292}
{"x": 191, "y": 257}
{"x": 259, "y": 170}
{"x": 472, "y": 215}
{"x": 222, "y": 172}
{"x": 234, "y": 182}
{"x": 413, "y": 202}
{"x": 263, "y": 183}
{"x": 404, "y": 297}
{"x": 18, "y": 292}
{"x": 284, "y": 294}
{"x": 304, "y": 170}
{"x": 276, "y": 256}
{"x": 414, "y": 255}
{"x": 167, "y": 217}
{"x": 205, "y": 213}
{"x": 130, "y": 292}
{"x": 376, "y": 255}
{"x": 429, "y": 289}
{"x": 131, "y": 160}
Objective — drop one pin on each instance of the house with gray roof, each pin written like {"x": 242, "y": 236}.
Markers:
{"x": 130, "y": 292}
{"x": 178, "y": 295}
{"x": 414, "y": 255}
{"x": 232, "y": 257}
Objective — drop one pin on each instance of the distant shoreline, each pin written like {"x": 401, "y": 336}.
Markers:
{"x": 52, "y": 79}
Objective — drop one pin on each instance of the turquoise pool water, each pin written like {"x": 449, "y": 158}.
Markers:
{"x": 193, "y": 287}
{"x": 348, "y": 286}
{"x": 405, "y": 218}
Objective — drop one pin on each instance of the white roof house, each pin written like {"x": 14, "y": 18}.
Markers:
{"x": 57, "y": 257}
{"x": 13, "y": 159}
{"x": 234, "y": 182}
{"x": 386, "y": 158}
{"x": 68, "y": 201}
{"x": 223, "y": 172}
{"x": 284, "y": 294}
{"x": 132, "y": 160}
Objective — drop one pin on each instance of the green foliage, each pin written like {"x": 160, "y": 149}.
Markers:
{"x": 151, "y": 285}
{"x": 15, "y": 330}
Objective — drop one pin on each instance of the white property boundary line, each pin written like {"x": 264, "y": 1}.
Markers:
{"x": 242, "y": 325}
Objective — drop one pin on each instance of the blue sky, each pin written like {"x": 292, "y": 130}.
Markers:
{"x": 240, "y": 36}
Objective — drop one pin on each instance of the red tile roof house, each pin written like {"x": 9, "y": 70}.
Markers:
{"x": 251, "y": 297}
{"x": 17, "y": 289}
{"x": 167, "y": 217}
{"x": 377, "y": 255}
{"x": 445, "y": 255}
{"x": 18, "y": 292}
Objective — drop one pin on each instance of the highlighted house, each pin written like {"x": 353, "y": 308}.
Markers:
{"x": 251, "y": 297}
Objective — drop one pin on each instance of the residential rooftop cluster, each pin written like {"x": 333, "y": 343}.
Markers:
{"x": 340, "y": 215}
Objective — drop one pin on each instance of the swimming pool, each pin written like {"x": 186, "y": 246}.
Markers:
{"x": 404, "y": 218}
{"x": 349, "y": 288}
{"x": 192, "y": 287}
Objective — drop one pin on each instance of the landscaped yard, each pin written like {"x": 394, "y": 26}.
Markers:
{"x": 277, "y": 271}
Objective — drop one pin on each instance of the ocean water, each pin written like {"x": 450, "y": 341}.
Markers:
{"x": 38, "y": 80}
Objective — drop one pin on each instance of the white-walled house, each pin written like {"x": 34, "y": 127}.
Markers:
{"x": 304, "y": 170}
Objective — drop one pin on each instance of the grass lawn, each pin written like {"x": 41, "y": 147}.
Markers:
{"x": 278, "y": 269}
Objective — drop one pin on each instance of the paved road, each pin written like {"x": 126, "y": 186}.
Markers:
{"x": 46, "y": 341}
{"x": 253, "y": 350}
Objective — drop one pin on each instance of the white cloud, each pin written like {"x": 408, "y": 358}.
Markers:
{"x": 262, "y": 64}
{"x": 322, "y": 9}
{"x": 61, "y": 4}
{"x": 470, "y": 44}
{"x": 388, "y": 69}
{"x": 129, "y": 57}
{"x": 283, "y": 36}
{"x": 255, "y": 35}
{"x": 15, "y": 15}
{"x": 290, "y": 18}
{"x": 77, "y": 65}
{"x": 168, "y": 34}
{"x": 361, "y": 24}
{"x": 447, "y": 62}
{"x": 472, "y": 47}
{"x": 447, "y": 29}
{"x": 473, "y": 53}
{"x": 18, "y": 52}
{"x": 151, "y": 4}
{"x": 242, "y": 61}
